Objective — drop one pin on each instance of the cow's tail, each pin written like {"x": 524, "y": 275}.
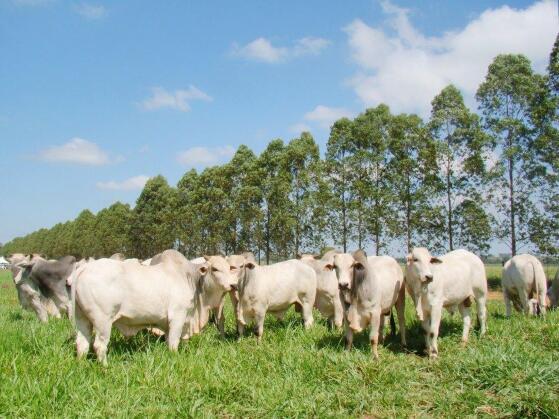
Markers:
{"x": 392, "y": 323}
{"x": 536, "y": 278}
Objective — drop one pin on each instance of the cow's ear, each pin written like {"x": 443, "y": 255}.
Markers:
{"x": 203, "y": 269}
{"x": 299, "y": 256}
{"x": 328, "y": 267}
{"x": 206, "y": 257}
{"x": 436, "y": 260}
{"x": 250, "y": 265}
{"x": 409, "y": 258}
{"x": 358, "y": 266}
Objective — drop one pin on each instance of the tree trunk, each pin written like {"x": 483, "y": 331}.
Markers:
{"x": 512, "y": 208}
{"x": 449, "y": 203}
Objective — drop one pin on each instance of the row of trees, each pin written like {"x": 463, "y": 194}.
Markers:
{"x": 458, "y": 180}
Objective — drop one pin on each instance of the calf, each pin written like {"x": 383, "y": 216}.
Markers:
{"x": 275, "y": 288}
{"x": 328, "y": 300}
{"x": 523, "y": 277}
{"x": 447, "y": 281}
{"x": 375, "y": 284}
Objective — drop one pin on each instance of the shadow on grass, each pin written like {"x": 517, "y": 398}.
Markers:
{"x": 415, "y": 338}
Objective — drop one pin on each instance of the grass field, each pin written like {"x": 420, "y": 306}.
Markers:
{"x": 513, "y": 371}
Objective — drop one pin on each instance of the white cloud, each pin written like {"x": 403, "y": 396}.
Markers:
{"x": 261, "y": 49}
{"x": 325, "y": 116}
{"x": 322, "y": 117}
{"x": 91, "y": 11}
{"x": 133, "y": 183}
{"x": 205, "y": 156}
{"x": 299, "y": 128}
{"x": 405, "y": 69}
{"x": 78, "y": 151}
{"x": 179, "y": 99}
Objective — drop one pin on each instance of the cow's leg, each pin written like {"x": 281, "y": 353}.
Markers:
{"x": 381, "y": 329}
{"x": 83, "y": 333}
{"x": 102, "y": 336}
{"x": 523, "y": 297}
{"x": 377, "y": 325}
{"x": 508, "y": 304}
{"x": 259, "y": 320}
{"x": 306, "y": 310}
{"x": 235, "y": 303}
{"x": 176, "y": 324}
{"x": 220, "y": 319}
{"x": 433, "y": 331}
{"x": 348, "y": 338}
{"x": 338, "y": 313}
{"x": 38, "y": 307}
{"x": 401, "y": 312}
{"x": 481, "y": 306}
{"x": 418, "y": 308}
{"x": 542, "y": 301}
{"x": 465, "y": 313}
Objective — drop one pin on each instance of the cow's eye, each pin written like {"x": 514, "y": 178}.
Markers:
{"x": 415, "y": 259}
{"x": 214, "y": 269}
{"x": 232, "y": 268}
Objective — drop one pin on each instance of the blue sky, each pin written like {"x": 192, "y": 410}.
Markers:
{"x": 97, "y": 96}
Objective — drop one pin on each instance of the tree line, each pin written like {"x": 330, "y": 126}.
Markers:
{"x": 458, "y": 180}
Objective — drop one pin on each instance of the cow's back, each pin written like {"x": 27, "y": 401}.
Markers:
{"x": 524, "y": 271}
{"x": 461, "y": 274}
{"x": 389, "y": 278}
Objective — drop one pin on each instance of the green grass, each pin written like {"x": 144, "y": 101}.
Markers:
{"x": 513, "y": 371}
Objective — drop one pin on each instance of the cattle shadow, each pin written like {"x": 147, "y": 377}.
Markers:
{"x": 143, "y": 340}
{"x": 415, "y": 337}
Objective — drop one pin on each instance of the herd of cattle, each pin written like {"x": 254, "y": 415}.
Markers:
{"x": 171, "y": 295}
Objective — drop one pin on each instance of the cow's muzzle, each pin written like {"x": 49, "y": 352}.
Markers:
{"x": 343, "y": 287}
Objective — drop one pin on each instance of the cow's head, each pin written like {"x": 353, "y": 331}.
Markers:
{"x": 218, "y": 269}
{"x": 419, "y": 265}
{"x": 343, "y": 264}
{"x": 237, "y": 263}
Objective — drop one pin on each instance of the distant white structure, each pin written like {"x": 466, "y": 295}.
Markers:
{"x": 4, "y": 264}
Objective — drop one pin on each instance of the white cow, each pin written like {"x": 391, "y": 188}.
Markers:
{"x": 28, "y": 290}
{"x": 523, "y": 277}
{"x": 374, "y": 284}
{"x": 275, "y": 288}
{"x": 132, "y": 296}
{"x": 328, "y": 301}
{"x": 447, "y": 281}
{"x": 237, "y": 263}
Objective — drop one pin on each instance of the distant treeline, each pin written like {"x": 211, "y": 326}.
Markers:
{"x": 457, "y": 180}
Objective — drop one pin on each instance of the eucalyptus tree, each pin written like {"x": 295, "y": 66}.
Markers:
{"x": 275, "y": 186}
{"x": 213, "y": 207}
{"x": 338, "y": 170}
{"x": 371, "y": 139}
{"x": 413, "y": 170}
{"x": 152, "y": 227}
{"x": 301, "y": 162}
{"x": 508, "y": 99}
{"x": 460, "y": 144}
{"x": 111, "y": 227}
{"x": 544, "y": 227}
{"x": 189, "y": 220}
{"x": 246, "y": 199}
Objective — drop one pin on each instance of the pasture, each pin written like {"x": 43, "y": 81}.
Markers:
{"x": 513, "y": 371}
